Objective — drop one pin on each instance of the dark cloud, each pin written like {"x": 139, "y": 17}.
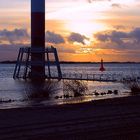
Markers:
{"x": 65, "y": 50}
{"x": 12, "y": 40}
{"x": 21, "y": 36}
{"x": 116, "y": 5}
{"x": 119, "y": 40}
{"x": 76, "y": 37}
{"x": 135, "y": 34}
{"x": 15, "y": 36}
{"x": 120, "y": 27}
{"x": 90, "y": 1}
{"x": 52, "y": 37}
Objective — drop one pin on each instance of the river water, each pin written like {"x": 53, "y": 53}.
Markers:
{"x": 18, "y": 93}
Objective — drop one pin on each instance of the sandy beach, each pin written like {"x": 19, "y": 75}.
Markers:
{"x": 115, "y": 119}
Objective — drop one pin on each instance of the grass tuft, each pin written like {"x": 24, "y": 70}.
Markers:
{"x": 133, "y": 84}
{"x": 75, "y": 87}
{"x": 41, "y": 90}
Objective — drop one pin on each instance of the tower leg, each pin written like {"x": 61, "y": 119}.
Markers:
{"x": 58, "y": 64}
{"x": 48, "y": 61}
{"x": 26, "y": 64}
{"x": 17, "y": 64}
{"x": 20, "y": 61}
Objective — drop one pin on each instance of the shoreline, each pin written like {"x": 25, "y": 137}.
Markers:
{"x": 70, "y": 62}
{"x": 19, "y": 104}
{"x": 100, "y": 101}
{"x": 116, "y": 119}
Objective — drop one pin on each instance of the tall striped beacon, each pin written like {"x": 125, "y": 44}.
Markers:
{"x": 38, "y": 37}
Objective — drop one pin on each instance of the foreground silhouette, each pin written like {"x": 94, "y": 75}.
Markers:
{"x": 112, "y": 119}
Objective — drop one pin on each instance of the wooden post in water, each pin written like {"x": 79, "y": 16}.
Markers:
{"x": 37, "y": 39}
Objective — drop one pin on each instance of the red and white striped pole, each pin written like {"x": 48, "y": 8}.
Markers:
{"x": 38, "y": 38}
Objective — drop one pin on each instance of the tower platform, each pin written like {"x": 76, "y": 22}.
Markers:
{"x": 24, "y": 63}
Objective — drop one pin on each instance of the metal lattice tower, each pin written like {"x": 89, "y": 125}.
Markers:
{"x": 34, "y": 60}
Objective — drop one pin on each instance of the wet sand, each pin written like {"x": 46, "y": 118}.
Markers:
{"x": 111, "y": 119}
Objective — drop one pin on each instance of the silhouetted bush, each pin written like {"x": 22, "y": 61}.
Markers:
{"x": 41, "y": 90}
{"x": 75, "y": 87}
{"x": 133, "y": 85}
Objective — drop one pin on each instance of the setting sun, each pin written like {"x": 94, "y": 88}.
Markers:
{"x": 86, "y": 27}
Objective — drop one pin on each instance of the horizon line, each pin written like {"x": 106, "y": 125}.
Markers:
{"x": 14, "y": 61}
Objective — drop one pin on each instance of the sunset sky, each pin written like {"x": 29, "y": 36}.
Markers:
{"x": 81, "y": 30}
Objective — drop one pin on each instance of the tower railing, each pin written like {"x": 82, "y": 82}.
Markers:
{"x": 24, "y": 62}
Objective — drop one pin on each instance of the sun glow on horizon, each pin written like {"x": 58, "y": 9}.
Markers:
{"x": 87, "y": 27}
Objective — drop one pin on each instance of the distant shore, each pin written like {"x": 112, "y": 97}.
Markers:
{"x": 111, "y": 119}
{"x": 70, "y": 62}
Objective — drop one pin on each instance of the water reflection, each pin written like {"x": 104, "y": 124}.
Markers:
{"x": 56, "y": 92}
{"x": 20, "y": 93}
